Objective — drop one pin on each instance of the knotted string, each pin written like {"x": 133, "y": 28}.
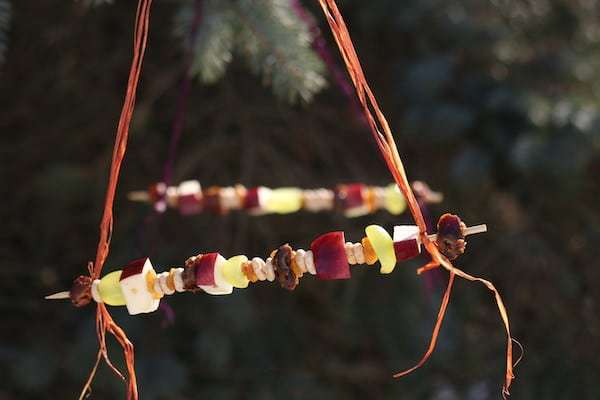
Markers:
{"x": 104, "y": 321}
{"x": 387, "y": 147}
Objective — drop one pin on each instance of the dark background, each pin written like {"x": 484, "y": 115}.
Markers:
{"x": 494, "y": 103}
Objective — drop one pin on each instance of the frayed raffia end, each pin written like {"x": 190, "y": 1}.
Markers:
{"x": 509, "y": 376}
{"x": 105, "y": 323}
{"x": 436, "y": 330}
{"x": 384, "y": 139}
{"x": 439, "y": 260}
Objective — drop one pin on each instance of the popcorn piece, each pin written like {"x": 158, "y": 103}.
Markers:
{"x": 309, "y": 261}
{"x": 359, "y": 255}
{"x": 309, "y": 200}
{"x": 155, "y": 282}
{"x": 178, "y": 279}
{"x": 318, "y": 199}
{"x": 229, "y": 198}
{"x": 299, "y": 258}
{"x": 350, "y": 253}
{"x": 269, "y": 269}
{"x": 163, "y": 278}
{"x": 258, "y": 265}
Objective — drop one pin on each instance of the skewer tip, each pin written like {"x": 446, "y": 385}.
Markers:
{"x": 140, "y": 196}
{"x": 59, "y": 296}
{"x": 471, "y": 230}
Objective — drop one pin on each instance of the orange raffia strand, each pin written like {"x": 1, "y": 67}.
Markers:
{"x": 387, "y": 147}
{"x": 104, "y": 321}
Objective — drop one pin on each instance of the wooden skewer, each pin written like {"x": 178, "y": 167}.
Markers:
{"x": 471, "y": 230}
{"x": 59, "y": 296}
{"x": 138, "y": 195}
{"x": 435, "y": 197}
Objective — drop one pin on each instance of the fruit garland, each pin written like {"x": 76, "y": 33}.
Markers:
{"x": 139, "y": 288}
{"x": 353, "y": 200}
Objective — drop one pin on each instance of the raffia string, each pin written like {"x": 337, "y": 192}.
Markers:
{"x": 182, "y": 99}
{"x": 104, "y": 321}
{"x": 385, "y": 142}
{"x": 387, "y": 147}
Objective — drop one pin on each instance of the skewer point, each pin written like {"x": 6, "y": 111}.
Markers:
{"x": 59, "y": 296}
{"x": 471, "y": 230}
{"x": 138, "y": 196}
{"x": 476, "y": 229}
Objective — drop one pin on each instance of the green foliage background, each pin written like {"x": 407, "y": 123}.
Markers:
{"x": 271, "y": 37}
{"x": 495, "y": 103}
{"x": 5, "y": 11}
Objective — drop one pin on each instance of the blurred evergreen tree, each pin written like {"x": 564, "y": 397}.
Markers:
{"x": 270, "y": 36}
{"x": 516, "y": 80}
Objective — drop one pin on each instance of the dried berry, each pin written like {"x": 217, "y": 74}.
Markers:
{"x": 81, "y": 291}
{"x": 189, "y": 273}
{"x": 450, "y": 236}
{"x": 282, "y": 266}
{"x": 212, "y": 200}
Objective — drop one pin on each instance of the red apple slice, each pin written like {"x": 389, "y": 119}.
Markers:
{"x": 205, "y": 274}
{"x": 350, "y": 196}
{"x": 209, "y": 275}
{"x": 189, "y": 204}
{"x": 406, "y": 249}
{"x": 133, "y": 268}
{"x": 406, "y": 242}
{"x": 330, "y": 256}
{"x": 251, "y": 200}
{"x": 189, "y": 197}
{"x": 255, "y": 199}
